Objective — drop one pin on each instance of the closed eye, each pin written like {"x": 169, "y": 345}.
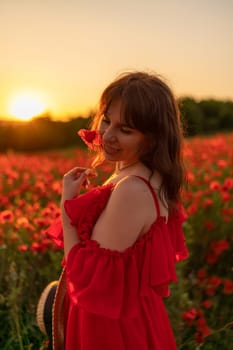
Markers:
{"x": 126, "y": 130}
{"x": 122, "y": 127}
{"x": 105, "y": 120}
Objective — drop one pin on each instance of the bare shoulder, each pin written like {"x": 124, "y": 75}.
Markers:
{"x": 128, "y": 214}
{"x": 131, "y": 185}
{"x": 132, "y": 191}
{"x": 133, "y": 194}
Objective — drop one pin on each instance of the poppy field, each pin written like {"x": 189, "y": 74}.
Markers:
{"x": 201, "y": 304}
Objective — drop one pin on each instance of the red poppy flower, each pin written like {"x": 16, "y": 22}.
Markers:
{"x": 6, "y": 216}
{"x": 90, "y": 137}
{"x": 214, "y": 281}
{"x": 199, "y": 338}
{"x": 211, "y": 257}
{"x": 189, "y": 316}
{"x": 228, "y": 184}
{"x": 212, "y": 284}
{"x": 201, "y": 274}
{"x": 207, "y": 304}
{"x": 228, "y": 287}
{"x": 209, "y": 225}
{"x": 215, "y": 185}
{"x": 219, "y": 246}
{"x": 22, "y": 248}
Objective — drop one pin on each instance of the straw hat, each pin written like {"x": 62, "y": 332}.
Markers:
{"x": 44, "y": 308}
{"x": 58, "y": 314}
{"x": 50, "y": 311}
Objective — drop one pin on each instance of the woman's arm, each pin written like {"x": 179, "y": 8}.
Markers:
{"x": 129, "y": 213}
{"x": 72, "y": 183}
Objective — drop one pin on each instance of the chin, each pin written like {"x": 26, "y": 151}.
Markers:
{"x": 112, "y": 157}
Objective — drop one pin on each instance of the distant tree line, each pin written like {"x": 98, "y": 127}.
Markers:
{"x": 42, "y": 133}
{"x": 206, "y": 116}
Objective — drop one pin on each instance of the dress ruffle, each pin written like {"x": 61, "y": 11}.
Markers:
{"x": 102, "y": 284}
{"x": 84, "y": 210}
{"x": 109, "y": 282}
{"x": 88, "y": 205}
{"x": 55, "y": 233}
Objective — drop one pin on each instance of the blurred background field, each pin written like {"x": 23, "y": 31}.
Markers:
{"x": 201, "y": 304}
{"x": 56, "y": 58}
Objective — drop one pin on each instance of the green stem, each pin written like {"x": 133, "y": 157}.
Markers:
{"x": 227, "y": 325}
{"x": 17, "y": 326}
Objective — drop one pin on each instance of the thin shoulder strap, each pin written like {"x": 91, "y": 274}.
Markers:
{"x": 152, "y": 192}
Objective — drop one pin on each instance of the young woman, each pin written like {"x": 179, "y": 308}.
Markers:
{"x": 122, "y": 239}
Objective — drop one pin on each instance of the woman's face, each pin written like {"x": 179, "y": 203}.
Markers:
{"x": 120, "y": 142}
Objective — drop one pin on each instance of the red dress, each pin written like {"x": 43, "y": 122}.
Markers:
{"x": 115, "y": 299}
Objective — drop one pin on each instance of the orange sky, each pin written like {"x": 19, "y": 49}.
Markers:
{"x": 65, "y": 52}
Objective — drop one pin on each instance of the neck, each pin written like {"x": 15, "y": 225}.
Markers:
{"x": 120, "y": 168}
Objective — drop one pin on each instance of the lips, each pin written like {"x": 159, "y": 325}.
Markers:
{"x": 110, "y": 150}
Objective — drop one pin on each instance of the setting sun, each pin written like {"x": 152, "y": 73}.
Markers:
{"x": 25, "y": 106}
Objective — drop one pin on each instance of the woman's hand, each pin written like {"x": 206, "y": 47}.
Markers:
{"x": 74, "y": 180}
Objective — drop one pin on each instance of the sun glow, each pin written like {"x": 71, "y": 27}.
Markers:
{"x": 26, "y": 105}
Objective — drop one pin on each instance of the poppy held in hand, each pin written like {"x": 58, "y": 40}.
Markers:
{"x": 90, "y": 137}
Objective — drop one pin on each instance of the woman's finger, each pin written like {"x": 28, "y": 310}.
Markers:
{"x": 75, "y": 171}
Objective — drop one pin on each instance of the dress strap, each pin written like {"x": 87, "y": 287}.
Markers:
{"x": 152, "y": 192}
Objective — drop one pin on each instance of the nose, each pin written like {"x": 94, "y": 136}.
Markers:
{"x": 108, "y": 134}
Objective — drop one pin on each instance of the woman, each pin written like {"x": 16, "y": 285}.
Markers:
{"x": 122, "y": 239}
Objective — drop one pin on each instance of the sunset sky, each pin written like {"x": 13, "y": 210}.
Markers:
{"x": 64, "y": 52}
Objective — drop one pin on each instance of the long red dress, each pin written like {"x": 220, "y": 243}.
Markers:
{"x": 115, "y": 299}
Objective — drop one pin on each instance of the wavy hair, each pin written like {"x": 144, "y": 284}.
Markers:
{"x": 149, "y": 105}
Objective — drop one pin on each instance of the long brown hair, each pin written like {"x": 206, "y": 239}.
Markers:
{"x": 149, "y": 105}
